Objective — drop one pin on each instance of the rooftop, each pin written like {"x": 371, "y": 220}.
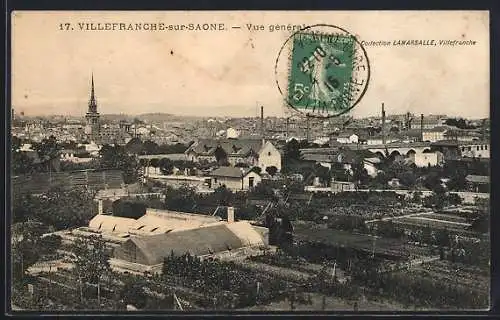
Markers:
{"x": 231, "y": 172}
{"x": 478, "y": 179}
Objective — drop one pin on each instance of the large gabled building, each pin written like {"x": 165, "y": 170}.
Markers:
{"x": 252, "y": 152}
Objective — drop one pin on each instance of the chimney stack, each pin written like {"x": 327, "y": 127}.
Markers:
{"x": 383, "y": 124}
{"x": 262, "y": 123}
{"x": 422, "y": 127}
{"x": 99, "y": 206}
{"x": 307, "y": 128}
{"x": 230, "y": 214}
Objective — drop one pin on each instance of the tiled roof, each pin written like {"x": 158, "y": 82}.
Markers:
{"x": 439, "y": 129}
{"x": 233, "y": 147}
{"x": 152, "y": 250}
{"x": 232, "y": 172}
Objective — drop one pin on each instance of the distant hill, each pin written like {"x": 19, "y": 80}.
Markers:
{"x": 147, "y": 117}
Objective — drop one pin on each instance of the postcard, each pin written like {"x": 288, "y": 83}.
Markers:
{"x": 235, "y": 161}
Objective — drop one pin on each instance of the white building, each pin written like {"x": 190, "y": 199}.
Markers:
{"x": 435, "y": 134}
{"x": 252, "y": 152}
{"x": 475, "y": 149}
{"x": 232, "y": 133}
{"x": 235, "y": 179}
{"x": 370, "y": 165}
{"x": 428, "y": 159}
{"x": 269, "y": 156}
{"x": 348, "y": 138}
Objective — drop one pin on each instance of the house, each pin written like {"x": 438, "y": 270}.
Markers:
{"x": 463, "y": 135}
{"x": 347, "y": 137}
{"x": 341, "y": 186}
{"x": 431, "y": 122}
{"x": 252, "y": 152}
{"x": 426, "y": 159}
{"x": 435, "y": 134}
{"x": 477, "y": 183}
{"x": 232, "y": 133}
{"x": 371, "y": 166}
{"x": 394, "y": 183}
{"x": 449, "y": 148}
{"x": 236, "y": 179}
{"x": 75, "y": 156}
{"x": 475, "y": 149}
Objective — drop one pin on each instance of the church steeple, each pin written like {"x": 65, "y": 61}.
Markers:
{"x": 93, "y": 126}
{"x": 92, "y": 101}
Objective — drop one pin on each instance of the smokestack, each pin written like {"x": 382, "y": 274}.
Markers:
{"x": 230, "y": 214}
{"x": 307, "y": 128}
{"x": 483, "y": 130}
{"x": 383, "y": 124}
{"x": 422, "y": 127}
{"x": 99, "y": 206}
{"x": 287, "y": 125}
{"x": 262, "y": 124}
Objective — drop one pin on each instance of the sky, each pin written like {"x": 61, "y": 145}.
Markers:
{"x": 231, "y": 72}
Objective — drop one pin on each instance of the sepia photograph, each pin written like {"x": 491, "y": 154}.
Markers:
{"x": 249, "y": 161}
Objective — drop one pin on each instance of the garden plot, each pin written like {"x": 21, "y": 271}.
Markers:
{"x": 464, "y": 275}
{"x": 434, "y": 223}
{"x": 450, "y": 218}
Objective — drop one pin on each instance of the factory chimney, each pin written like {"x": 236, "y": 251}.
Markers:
{"x": 383, "y": 124}
{"x": 262, "y": 132}
{"x": 100, "y": 207}
{"x": 307, "y": 128}
{"x": 230, "y": 214}
{"x": 422, "y": 127}
{"x": 483, "y": 130}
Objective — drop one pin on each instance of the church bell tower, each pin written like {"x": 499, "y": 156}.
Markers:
{"x": 92, "y": 127}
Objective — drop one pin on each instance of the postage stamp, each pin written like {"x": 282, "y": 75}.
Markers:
{"x": 328, "y": 71}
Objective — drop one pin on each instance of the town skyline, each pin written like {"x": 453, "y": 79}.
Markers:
{"x": 189, "y": 74}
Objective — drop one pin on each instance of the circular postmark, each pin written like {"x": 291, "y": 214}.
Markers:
{"x": 322, "y": 71}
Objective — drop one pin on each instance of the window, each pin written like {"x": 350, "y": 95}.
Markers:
{"x": 470, "y": 148}
{"x": 269, "y": 153}
{"x": 477, "y": 148}
{"x": 215, "y": 180}
{"x": 140, "y": 228}
{"x": 154, "y": 229}
{"x": 481, "y": 147}
{"x": 251, "y": 182}
{"x": 485, "y": 147}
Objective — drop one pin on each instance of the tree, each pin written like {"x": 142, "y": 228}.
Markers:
{"x": 91, "y": 261}
{"x": 59, "y": 208}
{"x": 25, "y": 246}
{"x": 220, "y": 156}
{"x": 134, "y": 146}
{"x": 323, "y": 173}
{"x": 408, "y": 179}
{"x": 47, "y": 148}
{"x": 272, "y": 170}
{"x": 150, "y": 147}
{"x": 223, "y": 196}
{"x": 443, "y": 238}
{"x": 166, "y": 166}
{"x": 182, "y": 199}
{"x": 116, "y": 157}
{"x": 133, "y": 293}
{"x": 359, "y": 174}
{"x": 242, "y": 165}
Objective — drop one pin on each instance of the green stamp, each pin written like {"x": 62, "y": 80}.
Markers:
{"x": 328, "y": 72}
